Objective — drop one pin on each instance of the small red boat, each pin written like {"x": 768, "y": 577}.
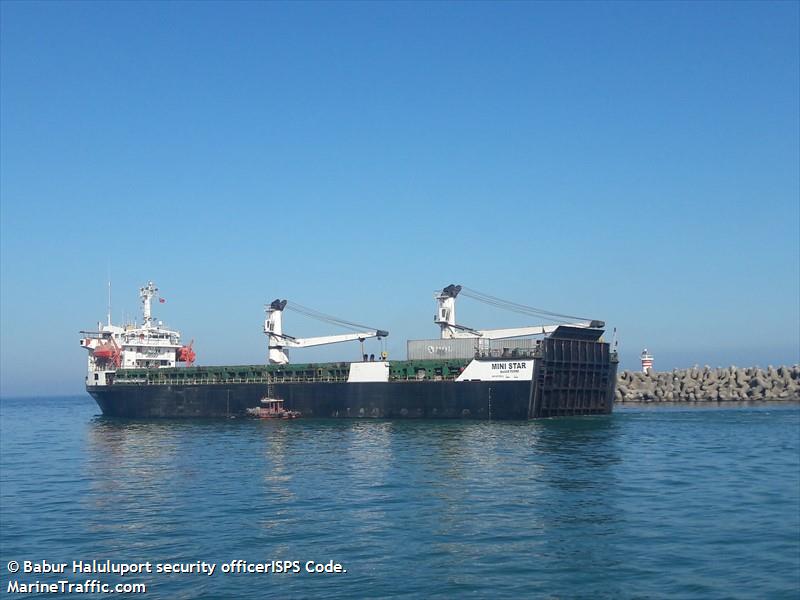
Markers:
{"x": 272, "y": 408}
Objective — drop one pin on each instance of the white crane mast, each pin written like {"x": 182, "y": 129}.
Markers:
{"x": 279, "y": 342}
{"x": 445, "y": 316}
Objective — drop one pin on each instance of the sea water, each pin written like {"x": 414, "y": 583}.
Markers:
{"x": 650, "y": 502}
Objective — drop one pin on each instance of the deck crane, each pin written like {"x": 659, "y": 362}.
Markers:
{"x": 445, "y": 317}
{"x": 280, "y": 342}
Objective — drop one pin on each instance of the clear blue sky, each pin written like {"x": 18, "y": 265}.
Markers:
{"x": 632, "y": 162}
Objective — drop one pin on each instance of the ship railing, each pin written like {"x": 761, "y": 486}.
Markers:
{"x": 268, "y": 380}
{"x": 309, "y": 379}
{"x": 217, "y": 380}
{"x": 193, "y": 380}
{"x": 413, "y": 379}
{"x": 507, "y": 354}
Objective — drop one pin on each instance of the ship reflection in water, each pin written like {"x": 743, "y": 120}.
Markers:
{"x": 318, "y": 474}
{"x": 642, "y": 503}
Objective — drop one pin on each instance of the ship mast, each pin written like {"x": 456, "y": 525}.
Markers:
{"x": 109, "y": 303}
{"x": 147, "y": 293}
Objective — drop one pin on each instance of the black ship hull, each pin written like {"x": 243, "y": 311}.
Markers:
{"x": 389, "y": 400}
{"x": 570, "y": 377}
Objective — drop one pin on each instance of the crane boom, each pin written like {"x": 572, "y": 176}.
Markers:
{"x": 445, "y": 317}
{"x": 496, "y": 334}
{"x": 279, "y": 341}
{"x": 290, "y": 342}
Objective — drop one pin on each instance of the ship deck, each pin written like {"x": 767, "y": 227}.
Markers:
{"x": 405, "y": 370}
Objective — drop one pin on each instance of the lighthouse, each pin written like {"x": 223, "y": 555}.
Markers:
{"x": 647, "y": 361}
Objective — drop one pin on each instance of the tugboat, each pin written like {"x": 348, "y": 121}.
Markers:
{"x": 272, "y": 409}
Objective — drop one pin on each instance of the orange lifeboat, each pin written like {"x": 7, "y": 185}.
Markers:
{"x": 108, "y": 352}
{"x": 186, "y": 354}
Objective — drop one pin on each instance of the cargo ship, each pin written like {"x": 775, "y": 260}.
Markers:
{"x": 562, "y": 369}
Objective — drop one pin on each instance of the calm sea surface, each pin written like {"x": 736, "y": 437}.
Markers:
{"x": 689, "y": 502}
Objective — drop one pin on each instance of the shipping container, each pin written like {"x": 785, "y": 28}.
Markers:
{"x": 467, "y": 348}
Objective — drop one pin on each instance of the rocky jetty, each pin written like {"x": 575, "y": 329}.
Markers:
{"x": 710, "y": 385}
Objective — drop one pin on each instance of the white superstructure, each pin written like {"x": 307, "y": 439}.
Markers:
{"x": 149, "y": 345}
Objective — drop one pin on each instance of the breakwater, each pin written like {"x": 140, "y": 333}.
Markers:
{"x": 710, "y": 385}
